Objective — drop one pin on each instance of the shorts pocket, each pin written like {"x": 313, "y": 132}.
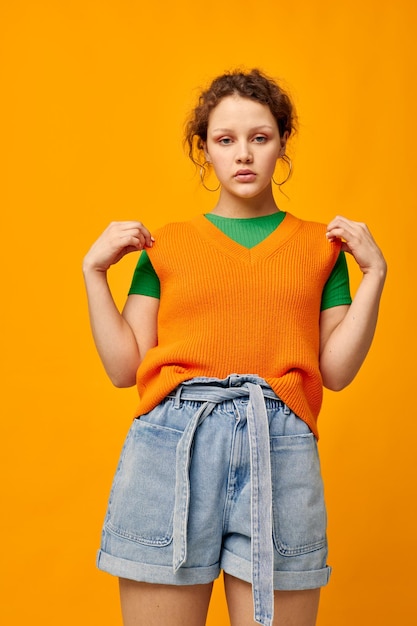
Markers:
{"x": 299, "y": 514}
{"x": 141, "y": 505}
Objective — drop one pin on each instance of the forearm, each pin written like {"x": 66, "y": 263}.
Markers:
{"x": 347, "y": 346}
{"x": 114, "y": 338}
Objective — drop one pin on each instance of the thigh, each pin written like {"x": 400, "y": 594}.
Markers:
{"x": 291, "y": 608}
{"x": 148, "y": 604}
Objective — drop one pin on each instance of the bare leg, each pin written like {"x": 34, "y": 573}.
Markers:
{"x": 146, "y": 604}
{"x": 291, "y": 608}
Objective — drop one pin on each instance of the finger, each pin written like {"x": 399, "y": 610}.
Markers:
{"x": 136, "y": 228}
{"x": 347, "y": 230}
{"x": 143, "y": 234}
{"x": 340, "y": 222}
{"x": 340, "y": 226}
{"x": 336, "y": 222}
{"x": 146, "y": 237}
{"x": 140, "y": 237}
{"x": 133, "y": 240}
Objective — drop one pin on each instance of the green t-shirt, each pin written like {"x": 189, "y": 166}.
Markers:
{"x": 248, "y": 232}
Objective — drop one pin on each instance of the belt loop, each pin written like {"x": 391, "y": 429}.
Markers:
{"x": 177, "y": 401}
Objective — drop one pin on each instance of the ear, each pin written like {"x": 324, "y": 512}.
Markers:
{"x": 284, "y": 140}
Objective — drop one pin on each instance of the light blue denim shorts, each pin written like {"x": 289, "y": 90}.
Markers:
{"x": 221, "y": 475}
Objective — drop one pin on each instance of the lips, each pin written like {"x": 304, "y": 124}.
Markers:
{"x": 245, "y": 176}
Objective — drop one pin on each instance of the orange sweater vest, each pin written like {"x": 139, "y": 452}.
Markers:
{"x": 226, "y": 309}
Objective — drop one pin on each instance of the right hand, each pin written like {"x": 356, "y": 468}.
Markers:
{"x": 115, "y": 242}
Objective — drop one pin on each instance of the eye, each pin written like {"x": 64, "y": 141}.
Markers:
{"x": 225, "y": 141}
{"x": 260, "y": 139}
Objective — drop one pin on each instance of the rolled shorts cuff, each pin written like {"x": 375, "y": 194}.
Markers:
{"x": 160, "y": 574}
{"x": 283, "y": 580}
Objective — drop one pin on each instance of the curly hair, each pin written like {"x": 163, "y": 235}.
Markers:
{"x": 253, "y": 85}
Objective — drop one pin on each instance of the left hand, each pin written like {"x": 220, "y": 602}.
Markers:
{"x": 358, "y": 241}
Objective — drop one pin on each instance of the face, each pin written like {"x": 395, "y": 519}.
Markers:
{"x": 243, "y": 145}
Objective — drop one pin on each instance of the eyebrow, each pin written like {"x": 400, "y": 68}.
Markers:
{"x": 252, "y": 130}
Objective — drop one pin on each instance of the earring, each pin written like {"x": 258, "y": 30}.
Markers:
{"x": 202, "y": 175}
{"x": 289, "y": 163}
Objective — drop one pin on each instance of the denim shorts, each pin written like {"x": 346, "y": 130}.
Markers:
{"x": 221, "y": 475}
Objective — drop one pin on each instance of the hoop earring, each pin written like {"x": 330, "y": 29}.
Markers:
{"x": 202, "y": 174}
{"x": 289, "y": 163}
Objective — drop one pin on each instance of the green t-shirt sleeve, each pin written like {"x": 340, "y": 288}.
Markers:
{"x": 337, "y": 289}
{"x": 145, "y": 281}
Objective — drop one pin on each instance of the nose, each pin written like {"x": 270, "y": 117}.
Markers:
{"x": 244, "y": 153}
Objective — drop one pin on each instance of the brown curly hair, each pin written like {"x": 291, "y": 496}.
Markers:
{"x": 253, "y": 85}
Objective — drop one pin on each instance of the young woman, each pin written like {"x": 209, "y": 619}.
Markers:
{"x": 233, "y": 323}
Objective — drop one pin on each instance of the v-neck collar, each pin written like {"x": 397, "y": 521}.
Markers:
{"x": 211, "y": 233}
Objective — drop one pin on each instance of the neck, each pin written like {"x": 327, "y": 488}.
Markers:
{"x": 232, "y": 206}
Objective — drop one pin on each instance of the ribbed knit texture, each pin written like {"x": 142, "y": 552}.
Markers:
{"x": 226, "y": 309}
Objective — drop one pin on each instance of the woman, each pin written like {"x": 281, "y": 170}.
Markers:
{"x": 234, "y": 322}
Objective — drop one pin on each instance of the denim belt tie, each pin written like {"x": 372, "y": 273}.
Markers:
{"x": 261, "y": 485}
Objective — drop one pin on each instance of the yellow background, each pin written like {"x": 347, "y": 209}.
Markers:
{"x": 94, "y": 94}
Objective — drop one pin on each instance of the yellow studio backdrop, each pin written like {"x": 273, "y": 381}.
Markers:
{"x": 94, "y": 95}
